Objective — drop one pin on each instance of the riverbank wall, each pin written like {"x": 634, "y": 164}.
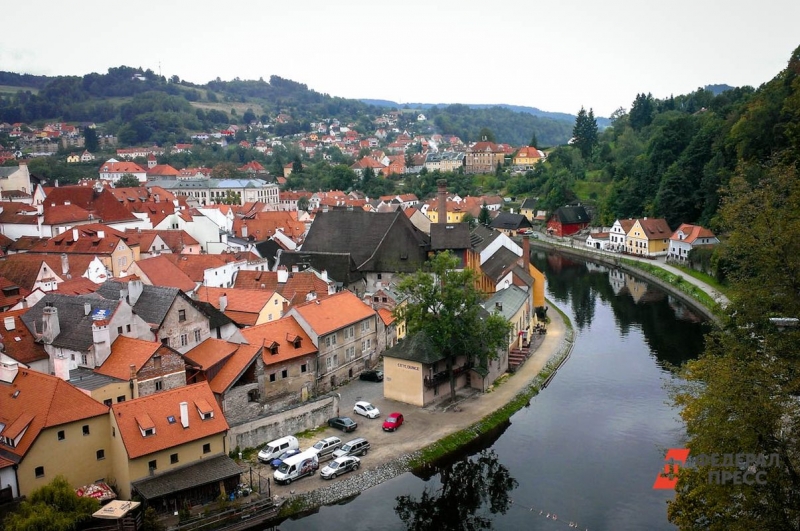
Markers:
{"x": 534, "y": 381}
{"x": 617, "y": 262}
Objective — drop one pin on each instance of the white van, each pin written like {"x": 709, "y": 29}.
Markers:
{"x": 274, "y": 449}
{"x": 297, "y": 466}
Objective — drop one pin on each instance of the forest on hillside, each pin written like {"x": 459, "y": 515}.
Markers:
{"x": 170, "y": 110}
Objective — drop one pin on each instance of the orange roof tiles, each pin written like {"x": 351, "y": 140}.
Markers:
{"x": 17, "y": 339}
{"x": 335, "y": 312}
{"x": 127, "y": 351}
{"x": 386, "y": 316}
{"x": 234, "y": 367}
{"x": 195, "y": 265}
{"x": 160, "y": 407}
{"x": 162, "y": 272}
{"x": 210, "y": 352}
{"x": 42, "y": 401}
{"x": 295, "y": 289}
{"x": 239, "y": 300}
{"x": 692, "y": 232}
{"x": 280, "y": 332}
{"x": 655, "y": 228}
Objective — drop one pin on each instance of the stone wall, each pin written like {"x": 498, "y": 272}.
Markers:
{"x": 255, "y": 433}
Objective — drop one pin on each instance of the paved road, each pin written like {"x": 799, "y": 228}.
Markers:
{"x": 423, "y": 426}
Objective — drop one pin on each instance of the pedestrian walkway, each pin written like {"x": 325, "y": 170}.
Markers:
{"x": 660, "y": 261}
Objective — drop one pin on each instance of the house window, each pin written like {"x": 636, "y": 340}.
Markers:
{"x": 350, "y": 353}
{"x": 149, "y": 431}
{"x": 157, "y": 362}
{"x": 108, "y": 402}
{"x": 113, "y": 431}
{"x": 127, "y": 328}
{"x": 152, "y": 465}
{"x": 284, "y": 373}
{"x": 61, "y": 435}
{"x": 184, "y": 339}
{"x": 197, "y": 336}
{"x": 365, "y": 326}
{"x": 101, "y": 454}
{"x": 39, "y": 471}
{"x": 165, "y": 341}
{"x": 328, "y": 363}
{"x": 335, "y": 360}
{"x": 159, "y": 385}
{"x": 303, "y": 368}
{"x": 272, "y": 377}
{"x": 121, "y": 398}
{"x": 173, "y": 458}
{"x": 379, "y": 276}
{"x": 253, "y": 395}
{"x": 349, "y": 332}
{"x": 181, "y": 315}
{"x": 84, "y": 359}
{"x": 207, "y": 448}
{"x": 119, "y": 330}
{"x": 86, "y": 429}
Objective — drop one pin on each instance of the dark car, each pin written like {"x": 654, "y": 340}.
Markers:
{"x": 345, "y": 424}
{"x": 393, "y": 421}
{"x": 371, "y": 376}
{"x": 288, "y": 453}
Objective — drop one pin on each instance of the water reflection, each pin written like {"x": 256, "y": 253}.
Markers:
{"x": 465, "y": 491}
{"x": 635, "y": 304}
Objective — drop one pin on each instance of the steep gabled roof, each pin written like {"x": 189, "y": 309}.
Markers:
{"x": 417, "y": 347}
{"x": 286, "y": 334}
{"x": 692, "y": 233}
{"x": 655, "y": 228}
{"x": 163, "y": 272}
{"x": 17, "y": 339}
{"x": 127, "y": 351}
{"x": 499, "y": 263}
{"x": 35, "y": 401}
{"x": 509, "y": 221}
{"x": 153, "y": 303}
{"x": 161, "y": 412}
{"x": 244, "y": 356}
{"x": 569, "y": 215}
{"x": 362, "y": 234}
{"x": 450, "y": 236}
{"x": 75, "y": 322}
{"x": 337, "y": 311}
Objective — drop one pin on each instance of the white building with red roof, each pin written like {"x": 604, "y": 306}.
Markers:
{"x": 689, "y": 237}
{"x": 113, "y": 170}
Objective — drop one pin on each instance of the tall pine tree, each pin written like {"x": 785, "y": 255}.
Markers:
{"x": 584, "y": 133}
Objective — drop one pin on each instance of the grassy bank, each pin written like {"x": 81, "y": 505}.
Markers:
{"x": 677, "y": 282}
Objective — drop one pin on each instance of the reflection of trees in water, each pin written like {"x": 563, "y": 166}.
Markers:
{"x": 673, "y": 336}
{"x": 465, "y": 488}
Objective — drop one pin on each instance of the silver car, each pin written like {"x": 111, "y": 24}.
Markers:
{"x": 339, "y": 466}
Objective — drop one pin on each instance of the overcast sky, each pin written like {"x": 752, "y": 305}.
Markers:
{"x": 557, "y": 56}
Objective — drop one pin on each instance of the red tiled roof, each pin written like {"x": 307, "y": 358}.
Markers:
{"x": 77, "y": 286}
{"x": 692, "y": 232}
{"x": 38, "y": 401}
{"x": 234, "y": 367}
{"x": 282, "y": 333}
{"x": 239, "y": 300}
{"x": 88, "y": 242}
{"x": 195, "y": 265}
{"x": 162, "y": 272}
{"x": 17, "y": 339}
{"x": 386, "y": 316}
{"x": 655, "y": 228}
{"x": 334, "y": 312}
{"x": 127, "y": 351}
{"x": 158, "y": 409}
{"x": 295, "y": 289}
{"x": 210, "y": 352}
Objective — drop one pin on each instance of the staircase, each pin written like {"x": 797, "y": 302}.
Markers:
{"x": 517, "y": 357}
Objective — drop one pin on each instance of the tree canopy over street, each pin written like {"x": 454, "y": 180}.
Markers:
{"x": 444, "y": 304}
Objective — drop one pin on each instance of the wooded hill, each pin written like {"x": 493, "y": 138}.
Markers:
{"x": 162, "y": 110}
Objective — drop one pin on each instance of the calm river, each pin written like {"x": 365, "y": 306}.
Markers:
{"x": 585, "y": 452}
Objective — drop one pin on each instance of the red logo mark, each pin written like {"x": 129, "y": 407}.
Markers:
{"x": 668, "y": 478}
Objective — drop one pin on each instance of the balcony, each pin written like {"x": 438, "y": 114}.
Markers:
{"x": 444, "y": 376}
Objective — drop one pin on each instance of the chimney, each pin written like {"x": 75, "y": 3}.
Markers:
{"x": 134, "y": 382}
{"x": 135, "y": 289}
{"x": 244, "y": 230}
{"x": 283, "y": 275}
{"x": 324, "y": 275}
{"x": 101, "y": 234}
{"x": 123, "y": 294}
{"x": 56, "y": 183}
{"x": 101, "y": 337}
{"x": 50, "y": 325}
{"x": 526, "y": 252}
{"x": 87, "y": 308}
{"x": 441, "y": 206}
{"x": 498, "y": 305}
{"x": 64, "y": 263}
{"x": 8, "y": 371}
{"x": 185, "y": 414}
{"x": 295, "y": 269}
{"x": 75, "y": 234}
{"x": 223, "y": 302}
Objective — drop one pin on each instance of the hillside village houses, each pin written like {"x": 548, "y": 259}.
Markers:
{"x": 172, "y": 319}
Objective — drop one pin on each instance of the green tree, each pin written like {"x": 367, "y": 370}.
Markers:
{"x": 486, "y": 135}
{"x": 127, "y": 181}
{"x": 90, "y": 141}
{"x": 740, "y": 396}
{"x": 484, "y": 218}
{"x": 470, "y": 220}
{"x": 297, "y": 164}
{"x": 585, "y": 132}
{"x": 642, "y": 111}
{"x": 464, "y": 490}
{"x": 303, "y": 204}
{"x": 53, "y": 507}
{"x": 533, "y": 142}
{"x": 444, "y": 305}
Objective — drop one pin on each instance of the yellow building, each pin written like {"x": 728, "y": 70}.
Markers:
{"x": 159, "y": 438}
{"x": 648, "y": 237}
{"x": 527, "y": 157}
{"x": 49, "y": 428}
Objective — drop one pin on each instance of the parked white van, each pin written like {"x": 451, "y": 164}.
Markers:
{"x": 274, "y": 449}
{"x": 297, "y": 466}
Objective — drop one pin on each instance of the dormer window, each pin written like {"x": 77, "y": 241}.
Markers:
{"x": 204, "y": 409}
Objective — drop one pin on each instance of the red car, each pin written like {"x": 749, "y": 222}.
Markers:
{"x": 393, "y": 421}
